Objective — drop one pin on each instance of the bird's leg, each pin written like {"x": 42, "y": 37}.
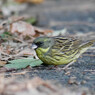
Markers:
{"x": 68, "y": 65}
{"x": 55, "y": 66}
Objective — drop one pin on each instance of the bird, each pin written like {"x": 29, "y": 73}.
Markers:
{"x": 60, "y": 50}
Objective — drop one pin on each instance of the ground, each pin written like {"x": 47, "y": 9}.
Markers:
{"x": 78, "y": 17}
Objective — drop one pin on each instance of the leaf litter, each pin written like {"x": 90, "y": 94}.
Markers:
{"x": 37, "y": 86}
{"x": 16, "y": 36}
{"x": 18, "y": 40}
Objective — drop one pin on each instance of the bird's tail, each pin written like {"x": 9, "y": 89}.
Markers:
{"x": 86, "y": 46}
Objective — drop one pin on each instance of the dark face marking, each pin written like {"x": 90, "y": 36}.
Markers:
{"x": 39, "y": 44}
{"x": 43, "y": 42}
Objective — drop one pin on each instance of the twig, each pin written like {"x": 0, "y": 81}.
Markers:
{"x": 20, "y": 73}
{"x": 19, "y": 40}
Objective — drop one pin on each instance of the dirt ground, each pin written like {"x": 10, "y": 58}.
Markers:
{"x": 77, "y": 16}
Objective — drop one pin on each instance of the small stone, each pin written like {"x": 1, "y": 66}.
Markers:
{"x": 83, "y": 82}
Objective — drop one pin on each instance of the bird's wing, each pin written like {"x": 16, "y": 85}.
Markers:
{"x": 66, "y": 45}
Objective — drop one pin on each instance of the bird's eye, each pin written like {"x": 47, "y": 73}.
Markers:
{"x": 39, "y": 43}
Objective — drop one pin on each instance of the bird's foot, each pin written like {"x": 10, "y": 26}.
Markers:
{"x": 53, "y": 67}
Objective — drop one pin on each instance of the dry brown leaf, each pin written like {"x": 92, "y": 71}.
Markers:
{"x": 35, "y": 1}
{"x": 2, "y": 63}
{"x": 22, "y": 28}
{"x": 9, "y": 21}
{"x": 26, "y": 29}
{"x": 41, "y": 31}
{"x": 30, "y": 1}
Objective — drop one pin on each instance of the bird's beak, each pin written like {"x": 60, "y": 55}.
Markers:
{"x": 34, "y": 46}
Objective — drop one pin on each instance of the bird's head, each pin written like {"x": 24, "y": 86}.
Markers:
{"x": 42, "y": 42}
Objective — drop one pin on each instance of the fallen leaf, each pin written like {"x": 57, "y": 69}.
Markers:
{"x": 42, "y": 31}
{"x": 23, "y": 63}
{"x": 6, "y": 23}
{"x": 22, "y": 28}
{"x": 30, "y": 1}
{"x": 26, "y": 29}
{"x": 2, "y": 63}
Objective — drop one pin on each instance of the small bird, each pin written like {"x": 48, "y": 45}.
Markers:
{"x": 60, "y": 50}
